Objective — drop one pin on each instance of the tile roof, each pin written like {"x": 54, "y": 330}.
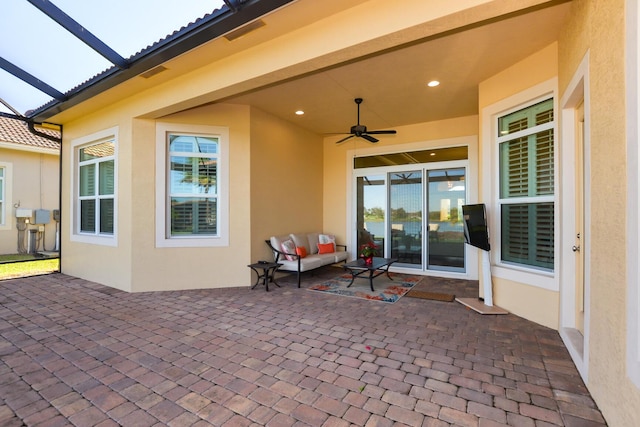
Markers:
{"x": 16, "y": 131}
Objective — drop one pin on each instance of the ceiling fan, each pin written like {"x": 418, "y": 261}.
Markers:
{"x": 360, "y": 131}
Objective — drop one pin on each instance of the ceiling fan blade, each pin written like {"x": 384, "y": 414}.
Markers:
{"x": 380, "y": 132}
{"x": 368, "y": 138}
{"x": 344, "y": 139}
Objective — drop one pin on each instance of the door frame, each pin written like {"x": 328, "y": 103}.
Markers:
{"x": 472, "y": 255}
{"x": 577, "y": 92}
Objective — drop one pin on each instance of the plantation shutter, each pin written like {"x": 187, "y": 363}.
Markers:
{"x": 526, "y": 184}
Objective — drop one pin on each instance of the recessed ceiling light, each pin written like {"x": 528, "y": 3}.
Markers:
{"x": 432, "y": 154}
{"x": 433, "y": 83}
{"x": 299, "y": 112}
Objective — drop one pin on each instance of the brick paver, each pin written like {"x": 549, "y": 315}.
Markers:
{"x": 74, "y": 352}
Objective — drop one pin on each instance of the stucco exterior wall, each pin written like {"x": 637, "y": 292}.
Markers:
{"x": 286, "y": 181}
{"x": 33, "y": 184}
{"x": 85, "y": 260}
{"x": 599, "y": 28}
{"x": 275, "y": 176}
{"x": 534, "y": 303}
{"x": 165, "y": 268}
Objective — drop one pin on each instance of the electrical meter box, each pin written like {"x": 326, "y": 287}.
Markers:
{"x": 43, "y": 216}
{"x": 24, "y": 213}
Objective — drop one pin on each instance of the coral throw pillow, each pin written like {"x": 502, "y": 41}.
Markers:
{"x": 326, "y": 248}
{"x": 302, "y": 251}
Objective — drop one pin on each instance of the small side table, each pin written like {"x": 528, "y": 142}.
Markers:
{"x": 268, "y": 273}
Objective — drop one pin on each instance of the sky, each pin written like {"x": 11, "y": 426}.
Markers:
{"x": 38, "y": 45}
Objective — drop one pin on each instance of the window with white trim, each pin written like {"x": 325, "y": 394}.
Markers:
{"x": 94, "y": 201}
{"x": 96, "y": 189}
{"x": 526, "y": 179}
{"x": 193, "y": 185}
{"x": 192, "y": 191}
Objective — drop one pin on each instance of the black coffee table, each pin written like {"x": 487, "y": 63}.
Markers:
{"x": 377, "y": 267}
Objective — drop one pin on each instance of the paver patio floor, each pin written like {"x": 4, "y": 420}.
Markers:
{"x": 76, "y": 353}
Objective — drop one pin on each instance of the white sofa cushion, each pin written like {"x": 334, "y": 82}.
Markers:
{"x": 301, "y": 241}
{"x": 313, "y": 239}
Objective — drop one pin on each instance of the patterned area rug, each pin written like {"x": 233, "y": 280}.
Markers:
{"x": 386, "y": 290}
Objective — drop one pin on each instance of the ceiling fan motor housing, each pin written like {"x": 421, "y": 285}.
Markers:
{"x": 358, "y": 129}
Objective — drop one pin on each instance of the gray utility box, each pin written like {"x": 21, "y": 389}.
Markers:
{"x": 43, "y": 216}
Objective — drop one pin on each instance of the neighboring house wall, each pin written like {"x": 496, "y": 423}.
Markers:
{"x": 30, "y": 181}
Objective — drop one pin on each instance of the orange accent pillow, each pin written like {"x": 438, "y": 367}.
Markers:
{"x": 301, "y": 251}
{"x": 326, "y": 248}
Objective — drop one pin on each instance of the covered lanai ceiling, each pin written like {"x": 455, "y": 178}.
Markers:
{"x": 392, "y": 81}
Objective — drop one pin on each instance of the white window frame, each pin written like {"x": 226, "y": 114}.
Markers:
{"x": 5, "y": 223}
{"x": 163, "y": 239}
{"x": 633, "y": 190}
{"x": 110, "y": 134}
{"x": 491, "y": 185}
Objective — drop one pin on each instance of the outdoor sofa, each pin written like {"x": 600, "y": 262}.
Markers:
{"x": 306, "y": 251}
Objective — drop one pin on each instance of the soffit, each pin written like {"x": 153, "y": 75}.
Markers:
{"x": 393, "y": 83}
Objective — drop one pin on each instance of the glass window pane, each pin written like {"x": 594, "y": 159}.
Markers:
{"x": 106, "y": 216}
{"x": 526, "y": 118}
{"x": 95, "y": 151}
{"x": 181, "y": 144}
{"x": 193, "y": 175}
{"x": 527, "y": 166}
{"x": 88, "y": 216}
{"x": 528, "y": 234}
{"x": 193, "y": 216}
{"x": 193, "y": 144}
{"x": 87, "y": 180}
{"x": 544, "y": 166}
{"x": 405, "y": 192}
{"x": 371, "y": 211}
{"x": 411, "y": 157}
{"x": 446, "y": 196}
{"x": 106, "y": 177}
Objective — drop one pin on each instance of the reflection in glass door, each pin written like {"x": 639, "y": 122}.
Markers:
{"x": 390, "y": 213}
{"x": 446, "y": 195}
{"x": 405, "y": 199}
{"x": 370, "y": 210}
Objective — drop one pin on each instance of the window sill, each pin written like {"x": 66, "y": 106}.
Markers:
{"x": 538, "y": 278}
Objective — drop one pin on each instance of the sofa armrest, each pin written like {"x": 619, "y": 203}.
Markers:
{"x": 341, "y": 246}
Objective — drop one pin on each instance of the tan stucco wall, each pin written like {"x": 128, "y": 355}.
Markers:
{"x": 33, "y": 185}
{"x": 84, "y": 260}
{"x": 192, "y": 267}
{"x": 286, "y": 181}
{"x": 275, "y": 176}
{"x": 598, "y": 27}
{"x": 419, "y": 137}
{"x": 534, "y": 303}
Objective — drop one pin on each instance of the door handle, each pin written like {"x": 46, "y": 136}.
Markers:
{"x": 575, "y": 248}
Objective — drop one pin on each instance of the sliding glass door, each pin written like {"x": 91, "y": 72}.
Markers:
{"x": 446, "y": 192}
{"x": 405, "y": 199}
{"x": 413, "y": 214}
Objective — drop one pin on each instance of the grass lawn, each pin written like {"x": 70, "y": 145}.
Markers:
{"x": 19, "y": 265}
